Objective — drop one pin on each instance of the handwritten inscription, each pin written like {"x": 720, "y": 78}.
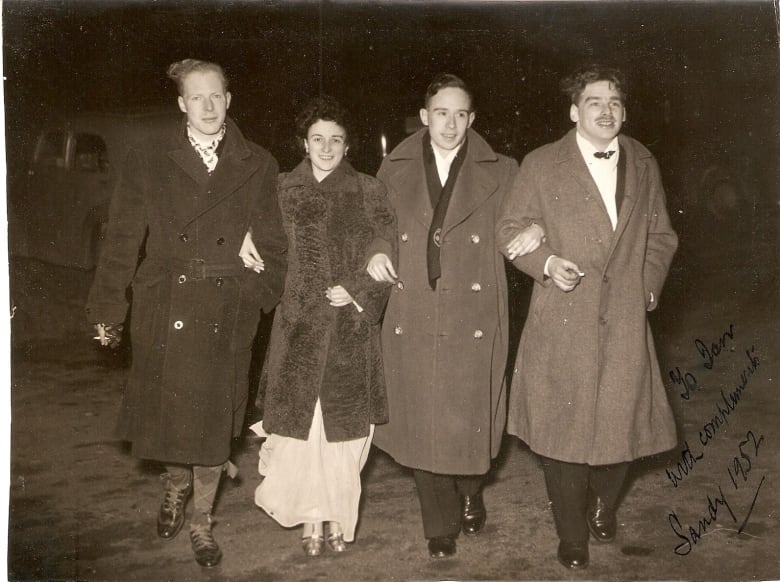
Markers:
{"x": 684, "y": 466}
{"x": 693, "y": 535}
{"x": 738, "y": 463}
{"x": 690, "y": 536}
{"x": 711, "y": 352}
{"x": 740, "y": 466}
{"x": 721, "y": 418}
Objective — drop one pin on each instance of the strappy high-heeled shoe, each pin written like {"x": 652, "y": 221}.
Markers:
{"x": 336, "y": 539}
{"x": 313, "y": 543}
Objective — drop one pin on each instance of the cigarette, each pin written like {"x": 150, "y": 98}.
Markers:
{"x": 580, "y": 273}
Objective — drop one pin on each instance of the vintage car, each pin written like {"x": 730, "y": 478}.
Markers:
{"x": 58, "y": 212}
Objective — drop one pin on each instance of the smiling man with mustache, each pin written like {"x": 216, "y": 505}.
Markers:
{"x": 587, "y": 393}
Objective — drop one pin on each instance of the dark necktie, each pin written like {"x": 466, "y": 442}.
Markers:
{"x": 604, "y": 155}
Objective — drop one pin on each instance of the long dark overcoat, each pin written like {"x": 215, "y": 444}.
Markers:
{"x": 587, "y": 386}
{"x": 318, "y": 350}
{"x": 445, "y": 350}
{"x": 195, "y": 308}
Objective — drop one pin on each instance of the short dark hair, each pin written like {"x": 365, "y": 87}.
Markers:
{"x": 179, "y": 70}
{"x": 323, "y": 108}
{"x": 445, "y": 80}
{"x": 573, "y": 85}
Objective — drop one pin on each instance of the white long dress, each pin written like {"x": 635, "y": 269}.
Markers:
{"x": 313, "y": 480}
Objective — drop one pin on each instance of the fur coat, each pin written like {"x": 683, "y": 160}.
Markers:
{"x": 317, "y": 350}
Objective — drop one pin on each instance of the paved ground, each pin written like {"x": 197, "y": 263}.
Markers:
{"x": 82, "y": 509}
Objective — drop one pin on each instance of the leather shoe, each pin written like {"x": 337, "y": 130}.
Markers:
{"x": 207, "y": 552}
{"x": 602, "y": 522}
{"x": 573, "y": 555}
{"x": 474, "y": 515}
{"x": 441, "y": 547}
{"x": 170, "y": 518}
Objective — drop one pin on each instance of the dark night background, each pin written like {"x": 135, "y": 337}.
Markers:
{"x": 704, "y": 76}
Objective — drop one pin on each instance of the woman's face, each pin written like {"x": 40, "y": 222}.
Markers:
{"x": 326, "y": 144}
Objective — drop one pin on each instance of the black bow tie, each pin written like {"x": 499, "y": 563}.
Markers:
{"x": 604, "y": 155}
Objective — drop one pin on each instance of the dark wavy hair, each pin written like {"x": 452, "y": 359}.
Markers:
{"x": 445, "y": 80}
{"x": 323, "y": 108}
{"x": 573, "y": 85}
{"x": 179, "y": 70}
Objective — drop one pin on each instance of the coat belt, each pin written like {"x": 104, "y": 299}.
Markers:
{"x": 201, "y": 269}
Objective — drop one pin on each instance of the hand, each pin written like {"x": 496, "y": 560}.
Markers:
{"x": 526, "y": 241}
{"x": 109, "y": 334}
{"x": 249, "y": 254}
{"x": 380, "y": 267}
{"x": 565, "y": 274}
{"x": 338, "y": 296}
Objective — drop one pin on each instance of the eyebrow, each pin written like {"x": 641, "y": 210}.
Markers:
{"x": 455, "y": 111}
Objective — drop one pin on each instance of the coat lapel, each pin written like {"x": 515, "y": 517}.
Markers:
{"x": 411, "y": 181}
{"x": 236, "y": 165}
{"x": 570, "y": 155}
{"x": 634, "y": 172}
{"x": 474, "y": 184}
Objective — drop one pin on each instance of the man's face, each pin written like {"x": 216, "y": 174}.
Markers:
{"x": 205, "y": 102}
{"x": 448, "y": 116}
{"x": 599, "y": 114}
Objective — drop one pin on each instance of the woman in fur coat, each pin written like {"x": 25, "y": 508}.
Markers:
{"x": 323, "y": 381}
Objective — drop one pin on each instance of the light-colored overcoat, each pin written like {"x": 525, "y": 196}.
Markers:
{"x": 195, "y": 308}
{"x": 445, "y": 349}
{"x": 587, "y": 386}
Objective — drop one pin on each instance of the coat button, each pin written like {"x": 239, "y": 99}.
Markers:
{"x": 182, "y": 279}
{"x": 605, "y": 279}
{"x": 404, "y": 237}
{"x": 475, "y": 238}
{"x": 221, "y": 240}
{"x": 400, "y": 285}
{"x": 178, "y": 324}
{"x": 478, "y": 334}
{"x": 603, "y": 320}
{"x": 398, "y": 330}
{"x": 216, "y": 328}
{"x": 219, "y": 281}
{"x": 476, "y": 287}
{"x": 183, "y": 237}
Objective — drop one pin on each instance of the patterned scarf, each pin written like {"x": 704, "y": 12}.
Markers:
{"x": 208, "y": 151}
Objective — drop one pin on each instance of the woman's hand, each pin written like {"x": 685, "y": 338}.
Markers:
{"x": 249, "y": 254}
{"x": 380, "y": 267}
{"x": 527, "y": 241}
{"x": 338, "y": 296}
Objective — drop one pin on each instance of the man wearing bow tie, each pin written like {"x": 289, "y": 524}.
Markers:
{"x": 587, "y": 393}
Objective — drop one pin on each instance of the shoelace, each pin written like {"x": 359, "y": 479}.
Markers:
{"x": 202, "y": 538}
{"x": 174, "y": 499}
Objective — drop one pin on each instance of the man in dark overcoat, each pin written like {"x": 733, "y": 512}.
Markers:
{"x": 587, "y": 393}
{"x": 191, "y": 191}
{"x": 445, "y": 331}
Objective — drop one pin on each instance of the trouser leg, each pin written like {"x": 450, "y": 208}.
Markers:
{"x": 567, "y": 489}
{"x": 606, "y": 482}
{"x": 205, "y": 484}
{"x": 469, "y": 484}
{"x": 439, "y": 503}
{"x": 180, "y": 476}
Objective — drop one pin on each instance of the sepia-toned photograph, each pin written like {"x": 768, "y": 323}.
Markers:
{"x": 392, "y": 290}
